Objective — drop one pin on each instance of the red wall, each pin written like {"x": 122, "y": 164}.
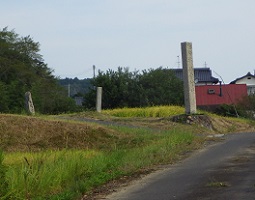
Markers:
{"x": 231, "y": 94}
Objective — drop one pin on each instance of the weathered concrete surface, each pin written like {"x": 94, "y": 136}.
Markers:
{"x": 188, "y": 78}
{"x": 29, "y": 103}
{"x": 99, "y": 99}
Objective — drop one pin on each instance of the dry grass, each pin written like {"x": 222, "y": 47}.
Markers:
{"x": 21, "y": 133}
{"x": 86, "y": 155}
{"x": 155, "y": 111}
{"x": 231, "y": 125}
{"x": 60, "y": 159}
{"x": 218, "y": 124}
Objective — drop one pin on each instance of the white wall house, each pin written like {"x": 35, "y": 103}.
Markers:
{"x": 249, "y": 80}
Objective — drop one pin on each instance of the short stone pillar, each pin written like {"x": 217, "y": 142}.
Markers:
{"x": 188, "y": 78}
{"x": 29, "y": 103}
{"x": 99, "y": 99}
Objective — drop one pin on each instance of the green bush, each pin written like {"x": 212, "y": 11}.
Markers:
{"x": 227, "y": 110}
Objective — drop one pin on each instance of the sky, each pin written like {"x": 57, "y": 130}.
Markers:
{"x": 74, "y": 35}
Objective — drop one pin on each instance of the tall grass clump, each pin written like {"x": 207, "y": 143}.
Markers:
{"x": 48, "y": 174}
{"x": 3, "y": 180}
{"x": 67, "y": 174}
{"x": 155, "y": 111}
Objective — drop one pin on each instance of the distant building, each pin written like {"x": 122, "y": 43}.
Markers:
{"x": 210, "y": 93}
{"x": 211, "y": 96}
{"x": 78, "y": 101}
{"x": 249, "y": 80}
{"x": 202, "y": 76}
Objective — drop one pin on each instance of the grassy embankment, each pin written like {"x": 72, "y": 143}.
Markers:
{"x": 54, "y": 159}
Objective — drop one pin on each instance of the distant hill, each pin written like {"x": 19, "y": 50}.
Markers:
{"x": 77, "y": 87}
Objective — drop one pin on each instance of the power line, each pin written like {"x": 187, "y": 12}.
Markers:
{"x": 237, "y": 115}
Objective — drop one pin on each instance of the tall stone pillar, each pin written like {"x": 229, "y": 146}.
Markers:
{"x": 29, "y": 103}
{"x": 99, "y": 99}
{"x": 188, "y": 78}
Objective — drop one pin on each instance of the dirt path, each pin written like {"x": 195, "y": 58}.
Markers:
{"x": 225, "y": 170}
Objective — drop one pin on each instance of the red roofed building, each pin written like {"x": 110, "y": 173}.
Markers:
{"x": 210, "y": 94}
{"x": 214, "y": 95}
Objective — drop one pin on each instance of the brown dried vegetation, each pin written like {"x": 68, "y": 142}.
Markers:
{"x": 23, "y": 133}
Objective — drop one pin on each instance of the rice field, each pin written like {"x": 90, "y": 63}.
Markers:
{"x": 155, "y": 111}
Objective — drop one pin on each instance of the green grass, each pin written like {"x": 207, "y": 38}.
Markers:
{"x": 58, "y": 159}
{"x": 67, "y": 174}
{"x": 61, "y": 160}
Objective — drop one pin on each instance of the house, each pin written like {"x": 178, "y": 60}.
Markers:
{"x": 211, "y": 96}
{"x": 202, "y": 76}
{"x": 249, "y": 80}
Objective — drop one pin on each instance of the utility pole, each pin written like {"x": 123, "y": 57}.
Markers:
{"x": 94, "y": 75}
{"x": 69, "y": 90}
{"x": 178, "y": 61}
{"x": 94, "y": 71}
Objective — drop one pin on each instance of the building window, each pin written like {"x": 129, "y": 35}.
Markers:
{"x": 211, "y": 91}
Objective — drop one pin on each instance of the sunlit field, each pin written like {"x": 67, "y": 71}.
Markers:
{"x": 157, "y": 111}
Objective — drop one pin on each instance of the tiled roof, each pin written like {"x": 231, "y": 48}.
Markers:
{"x": 201, "y": 74}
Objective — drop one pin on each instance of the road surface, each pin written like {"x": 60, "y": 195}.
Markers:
{"x": 224, "y": 170}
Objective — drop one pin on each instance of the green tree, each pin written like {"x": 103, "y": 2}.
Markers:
{"x": 22, "y": 69}
{"x": 122, "y": 88}
{"x": 161, "y": 87}
{"x": 78, "y": 87}
{"x": 4, "y": 98}
{"x": 119, "y": 88}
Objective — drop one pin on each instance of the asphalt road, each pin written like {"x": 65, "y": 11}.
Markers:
{"x": 224, "y": 170}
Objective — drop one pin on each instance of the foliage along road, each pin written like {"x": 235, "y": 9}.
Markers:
{"x": 224, "y": 170}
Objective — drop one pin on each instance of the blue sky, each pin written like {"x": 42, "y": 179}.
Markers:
{"x": 139, "y": 34}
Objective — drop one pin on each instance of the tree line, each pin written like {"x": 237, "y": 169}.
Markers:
{"x": 22, "y": 69}
{"x": 78, "y": 87}
{"x": 123, "y": 88}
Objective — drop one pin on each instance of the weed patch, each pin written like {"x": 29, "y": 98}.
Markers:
{"x": 68, "y": 174}
{"x": 52, "y": 159}
{"x": 3, "y": 180}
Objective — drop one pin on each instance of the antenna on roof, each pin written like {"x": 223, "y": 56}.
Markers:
{"x": 205, "y": 65}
